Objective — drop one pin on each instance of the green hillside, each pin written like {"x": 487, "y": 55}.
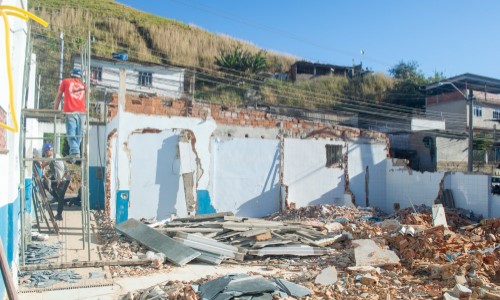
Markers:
{"x": 149, "y": 38}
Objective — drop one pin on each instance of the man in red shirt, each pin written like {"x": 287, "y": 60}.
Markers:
{"x": 74, "y": 108}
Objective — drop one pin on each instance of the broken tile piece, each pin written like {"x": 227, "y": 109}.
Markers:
{"x": 292, "y": 289}
{"x": 252, "y": 284}
{"x": 327, "y": 276}
{"x": 368, "y": 253}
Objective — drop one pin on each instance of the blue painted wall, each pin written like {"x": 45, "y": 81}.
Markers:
{"x": 9, "y": 218}
{"x": 204, "y": 203}
{"x": 96, "y": 187}
{"x": 122, "y": 203}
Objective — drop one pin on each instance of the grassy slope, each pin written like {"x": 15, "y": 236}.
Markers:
{"x": 147, "y": 37}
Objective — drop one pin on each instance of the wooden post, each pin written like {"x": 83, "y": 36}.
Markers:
{"x": 7, "y": 275}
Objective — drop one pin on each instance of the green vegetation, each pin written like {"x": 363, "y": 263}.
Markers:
{"x": 241, "y": 60}
{"x": 148, "y": 38}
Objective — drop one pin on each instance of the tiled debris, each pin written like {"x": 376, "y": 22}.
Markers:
{"x": 47, "y": 278}
{"x": 433, "y": 260}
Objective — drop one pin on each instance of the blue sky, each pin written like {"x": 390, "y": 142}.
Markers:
{"x": 449, "y": 36}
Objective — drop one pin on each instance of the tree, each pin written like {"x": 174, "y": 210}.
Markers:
{"x": 408, "y": 72}
{"x": 241, "y": 60}
{"x": 410, "y": 81}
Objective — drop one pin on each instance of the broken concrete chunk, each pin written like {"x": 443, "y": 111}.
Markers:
{"x": 462, "y": 291}
{"x": 460, "y": 279}
{"x": 438, "y": 215}
{"x": 390, "y": 225}
{"x": 327, "y": 277}
{"x": 369, "y": 279}
{"x": 449, "y": 296}
{"x": 367, "y": 253}
{"x": 334, "y": 227}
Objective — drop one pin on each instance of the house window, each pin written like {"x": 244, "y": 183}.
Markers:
{"x": 333, "y": 155}
{"x": 95, "y": 74}
{"x": 496, "y": 114}
{"x": 477, "y": 111}
{"x": 145, "y": 78}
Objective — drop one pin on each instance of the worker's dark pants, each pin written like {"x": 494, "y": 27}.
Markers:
{"x": 58, "y": 194}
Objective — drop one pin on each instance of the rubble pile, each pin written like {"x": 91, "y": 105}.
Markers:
{"x": 327, "y": 213}
{"x": 239, "y": 286}
{"x": 347, "y": 253}
{"x": 116, "y": 247}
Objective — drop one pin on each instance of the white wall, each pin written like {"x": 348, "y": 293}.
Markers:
{"x": 373, "y": 156}
{"x": 245, "y": 176}
{"x": 426, "y": 124}
{"x": 156, "y": 188}
{"x": 494, "y": 206}
{"x": 309, "y": 181}
{"x": 9, "y": 162}
{"x": 470, "y": 191}
{"x": 405, "y": 187}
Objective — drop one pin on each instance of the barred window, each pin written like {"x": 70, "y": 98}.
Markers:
{"x": 96, "y": 74}
{"x": 478, "y": 111}
{"x": 496, "y": 114}
{"x": 333, "y": 155}
{"x": 145, "y": 78}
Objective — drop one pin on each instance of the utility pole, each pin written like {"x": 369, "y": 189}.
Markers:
{"x": 61, "y": 62}
{"x": 471, "y": 130}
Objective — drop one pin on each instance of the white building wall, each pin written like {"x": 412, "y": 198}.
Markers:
{"x": 426, "y": 124}
{"x": 494, "y": 206}
{"x": 9, "y": 161}
{"x": 308, "y": 179}
{"x": 246, "y": 176}
{"x": 166, "y": 81}
{"x": 470, "y": 191}
{"x": 405, "y": 187}
{"x": 373, "y": 156}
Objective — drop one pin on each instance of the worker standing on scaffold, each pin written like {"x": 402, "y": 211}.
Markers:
{"x": 74, "y": 108}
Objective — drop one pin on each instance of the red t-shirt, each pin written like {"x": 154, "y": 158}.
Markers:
{"x": 74, "y": 95}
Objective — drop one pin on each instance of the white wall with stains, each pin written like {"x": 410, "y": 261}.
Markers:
{"x": 242, "y": 175}
{"x": 408, "y": 187}
{"x": 245, "y": 176}
{"x": 367, "y": 172}
{"x": 308, "y": 179}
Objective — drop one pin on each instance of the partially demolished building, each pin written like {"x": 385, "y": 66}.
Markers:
{"x": 175, "y": 157}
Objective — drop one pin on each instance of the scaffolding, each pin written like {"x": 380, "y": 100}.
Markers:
{"x": 26, "y": 159}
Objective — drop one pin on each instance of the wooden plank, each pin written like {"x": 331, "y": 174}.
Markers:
{"x": 7, "y": 274}
{"x": 86, "y": 264}
{"x": 196, "y": 218}
{"x": 254, "y": 232}
{"x": 189, "y": 229}
{"x": 174, "y": 251}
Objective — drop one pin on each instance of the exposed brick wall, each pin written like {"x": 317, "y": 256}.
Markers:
{"x": 3, "y": 132}
{"x": 292, "y": 127}
{"x": 446, "y": 97}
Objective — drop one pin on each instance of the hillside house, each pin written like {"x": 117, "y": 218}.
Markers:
{"x": 304, "y": 70}
{"x": 445, "y": 100}
{"x": 142, "y": 78}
